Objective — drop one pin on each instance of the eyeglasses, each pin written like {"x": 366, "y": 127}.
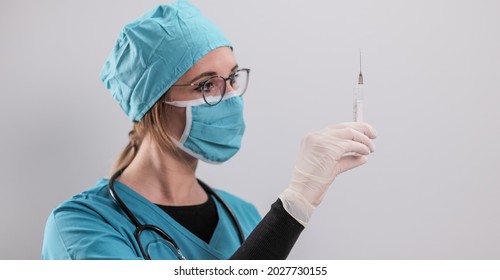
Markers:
{"x": 214, "y": 88}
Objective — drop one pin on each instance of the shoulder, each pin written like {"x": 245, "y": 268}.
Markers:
{"x": 233, "y": 199}
{"x": 95, "y": 199}
{"x": 236, "y": 203}
{"x": 80, "y": 227}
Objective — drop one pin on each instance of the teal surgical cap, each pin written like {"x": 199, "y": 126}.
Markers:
{"x": 154, "y": 51}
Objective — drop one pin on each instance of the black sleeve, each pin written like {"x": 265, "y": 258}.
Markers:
{"x": 273, "y": 238}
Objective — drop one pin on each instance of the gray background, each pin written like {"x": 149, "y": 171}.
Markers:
{"x": 430, "y": 191}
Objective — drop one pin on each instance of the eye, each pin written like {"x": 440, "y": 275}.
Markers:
{"x": 206, "y": 86}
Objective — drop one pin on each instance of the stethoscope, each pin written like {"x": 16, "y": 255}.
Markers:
{"x": 140, "y": 228}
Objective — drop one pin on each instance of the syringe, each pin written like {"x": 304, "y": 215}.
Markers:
{"x": 358, "y": 97}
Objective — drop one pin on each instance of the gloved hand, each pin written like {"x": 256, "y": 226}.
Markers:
{"x": 323, "y": 155}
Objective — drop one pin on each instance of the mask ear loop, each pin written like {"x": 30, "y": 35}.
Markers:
{"x": 187, "y": 103}
{"x": 200, "y": 101}
{"x": 187, "y": 127}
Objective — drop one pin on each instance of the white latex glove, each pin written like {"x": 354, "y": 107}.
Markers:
{"x": 323, "y": 155}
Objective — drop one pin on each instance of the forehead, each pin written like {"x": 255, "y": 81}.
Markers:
{"x": 220, "y": 61}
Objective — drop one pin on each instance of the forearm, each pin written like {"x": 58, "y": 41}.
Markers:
{"x": 273, "y": 238}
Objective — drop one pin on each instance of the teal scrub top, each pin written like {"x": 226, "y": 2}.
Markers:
{"x": 92, "y": 226}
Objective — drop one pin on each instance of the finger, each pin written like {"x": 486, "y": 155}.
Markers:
{"x": 354, "y": 135}
{"x": 350, "y": 162}
{"x": 347, "y": 146}
{"x": 362, "y": 127}
{"x": 349, "y": 133}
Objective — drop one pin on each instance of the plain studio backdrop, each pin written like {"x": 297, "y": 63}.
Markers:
{"x": 431, "y": 68}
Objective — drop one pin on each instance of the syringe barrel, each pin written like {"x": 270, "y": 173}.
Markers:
{"x": 358, "y": 100}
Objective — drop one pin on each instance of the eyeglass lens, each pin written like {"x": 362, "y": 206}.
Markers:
{"x": 214, "y": 88}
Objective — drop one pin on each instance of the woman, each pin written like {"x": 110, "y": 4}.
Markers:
{"x": 174, "y": 74}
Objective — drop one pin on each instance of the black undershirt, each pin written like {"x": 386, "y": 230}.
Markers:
{"x": 200, "y": 219}
{"x": 272, "y": 239}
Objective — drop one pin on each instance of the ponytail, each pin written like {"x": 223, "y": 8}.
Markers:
{"x": 130, "y": 151}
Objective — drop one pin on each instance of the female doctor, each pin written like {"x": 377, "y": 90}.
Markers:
{"x": 174, "y": 74}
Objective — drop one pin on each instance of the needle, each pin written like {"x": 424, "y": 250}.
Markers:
{"x": 360, "y": 78}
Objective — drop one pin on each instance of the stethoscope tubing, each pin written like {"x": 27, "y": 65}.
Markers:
{"x": 141, "y": 227}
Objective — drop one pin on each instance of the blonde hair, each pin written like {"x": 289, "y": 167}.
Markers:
{"x": 153, "y": 123}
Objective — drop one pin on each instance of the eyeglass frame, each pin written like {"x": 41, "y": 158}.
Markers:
{"x": 247, "y": 70}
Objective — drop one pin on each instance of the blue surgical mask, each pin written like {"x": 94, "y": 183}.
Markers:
{"x": 212, "y": 133}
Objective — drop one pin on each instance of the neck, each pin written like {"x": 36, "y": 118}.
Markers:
{"x": 163, "y": 177}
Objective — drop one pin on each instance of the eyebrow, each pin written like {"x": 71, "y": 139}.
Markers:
{"x": 210, "y": 74}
